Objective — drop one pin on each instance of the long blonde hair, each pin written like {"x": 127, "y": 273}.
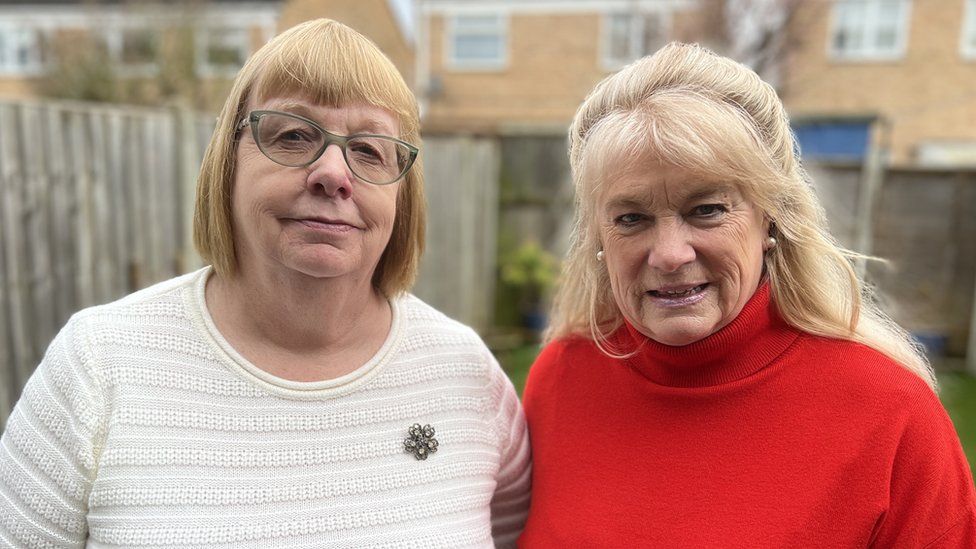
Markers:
{"x": 715, "y": 117}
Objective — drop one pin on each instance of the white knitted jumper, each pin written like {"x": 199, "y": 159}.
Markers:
{"x": 142, "y": 427}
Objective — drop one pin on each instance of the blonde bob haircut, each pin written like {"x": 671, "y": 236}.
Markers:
{"x": 690, "y": 108}
{"x": 329, "y": 63}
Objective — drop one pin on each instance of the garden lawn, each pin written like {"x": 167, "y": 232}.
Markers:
{"x": 959, "y": 397}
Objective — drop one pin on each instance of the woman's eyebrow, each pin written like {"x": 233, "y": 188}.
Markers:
{"x": 625, "y": 202}
{"x": 365, "y": 125}
{"x": 711, "y": 191}
{"x": 372, "y": 125}
{"x": 292, "y": 107}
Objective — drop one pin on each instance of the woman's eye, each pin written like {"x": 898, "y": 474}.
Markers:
{"x": 366, "y": 152}
{"x": 293, "y": 137}
{"x": 628, "y": 219}
{"x": 708, "y": 210}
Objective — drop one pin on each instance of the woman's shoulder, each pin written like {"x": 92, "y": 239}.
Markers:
{"x": 428, "y": 327}
{"x": 853, "y": 358}
{"x": 568, "y": 359}
{"x": 163, "y": 301}
{"x": 865, "y": 374}
{"x": 145, "y": 300}
{"x": 557, "y": 351}
{"x": 436, "y": 343}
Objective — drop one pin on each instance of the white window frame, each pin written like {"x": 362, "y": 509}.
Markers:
{"x": 35, "y": 64}
{"x": 455, "y": 25}
{"x": 870, "y": 27}
{"x": 967, "y": 39}
{"x": 635, "y": 37}
{"x": 240, "y": 39}
{"x": 114, "y": 41}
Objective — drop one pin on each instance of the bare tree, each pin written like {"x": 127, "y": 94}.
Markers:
{"x": 755, "y": 32}
{"x": 155, "y": 63}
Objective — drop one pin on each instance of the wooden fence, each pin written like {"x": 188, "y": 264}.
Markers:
{"x": 96, "y": 202}
{"x": 457, "y": 272}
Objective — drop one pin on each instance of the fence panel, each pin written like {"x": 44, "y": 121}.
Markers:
{"x": 457, "y": 274}
{"x": 92, "y": 207}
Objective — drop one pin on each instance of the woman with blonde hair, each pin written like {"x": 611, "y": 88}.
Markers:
{"x": 293, "y": 393}
{"x": 716, "y": 374}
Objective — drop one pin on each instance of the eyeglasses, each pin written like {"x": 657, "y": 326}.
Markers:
{"x": 296, "y": 141}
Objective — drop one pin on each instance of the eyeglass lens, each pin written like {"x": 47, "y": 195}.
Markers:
{"x": 294, "y": 142}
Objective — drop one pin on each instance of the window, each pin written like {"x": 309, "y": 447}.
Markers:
{"x": 139, "y": 47}
{"x": 628, "y": 36}
{"x": 869, "y": 29}
{"x": 969, "y": 31}
{"x": 222, "y": 51}
{"x": 134, "y": 49}
{"x": 476, "y": 42}
{"x": 21, "y": 50}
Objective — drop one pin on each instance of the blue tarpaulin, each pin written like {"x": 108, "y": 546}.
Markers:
{"x": 845, "y": 140}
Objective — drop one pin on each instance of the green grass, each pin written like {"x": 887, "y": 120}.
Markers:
{"x": 958, "y": 393}
{"x": 516, "y": 363}
{"x": 959, "y": 397}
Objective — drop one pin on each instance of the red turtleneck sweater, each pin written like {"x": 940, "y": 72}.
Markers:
{"x": 757, "y": 436}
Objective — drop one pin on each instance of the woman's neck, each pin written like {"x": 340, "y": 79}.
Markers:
{"x": 756, "y": 337}
{"x": 299, "y": 327}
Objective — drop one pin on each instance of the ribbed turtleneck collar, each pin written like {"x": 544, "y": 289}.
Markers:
{"x": 748, "y": 344}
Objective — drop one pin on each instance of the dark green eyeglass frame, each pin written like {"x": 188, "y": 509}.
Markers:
{"x": 254, "y": 120}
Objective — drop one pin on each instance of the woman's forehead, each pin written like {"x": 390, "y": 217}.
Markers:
{"x": 654, "y": 183}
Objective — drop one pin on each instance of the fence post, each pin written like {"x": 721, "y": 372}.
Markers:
{"x": 15, "y": 247}
{"x": 189, "y": 159}
{"x": 871, "y": 181}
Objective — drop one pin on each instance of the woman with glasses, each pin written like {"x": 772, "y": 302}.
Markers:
{"x": 293, "y": 393}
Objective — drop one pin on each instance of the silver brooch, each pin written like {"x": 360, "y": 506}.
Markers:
{"x": 421, "y": 442}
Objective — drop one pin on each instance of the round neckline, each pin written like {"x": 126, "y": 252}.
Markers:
{"x": 304, "y": 390}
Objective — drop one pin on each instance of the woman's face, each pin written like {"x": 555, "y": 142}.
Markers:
{"x": 318, "y": 220}
{"x": 684, "y": 253}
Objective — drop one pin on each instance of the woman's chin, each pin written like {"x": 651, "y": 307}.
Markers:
{"x": 320, "y": 265}
{"x": 678, "y": 339}
{"x": 677, "y": 332}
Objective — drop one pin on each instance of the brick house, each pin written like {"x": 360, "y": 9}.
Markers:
{"x": 140, "y": 43}
{"x": 504, "y": 67}
{"x": 908, "y": 63}
{"x": 523, "y": 66}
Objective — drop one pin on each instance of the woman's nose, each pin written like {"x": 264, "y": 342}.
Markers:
{"x": 330, "y": 174}
{"x": 670, "y": 250}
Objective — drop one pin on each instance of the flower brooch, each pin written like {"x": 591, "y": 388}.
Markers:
{"x": 421, "y": 442}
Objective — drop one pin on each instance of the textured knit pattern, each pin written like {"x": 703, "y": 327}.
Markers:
{"x": 756, "y": 437}
{"x": 142, "y": 427}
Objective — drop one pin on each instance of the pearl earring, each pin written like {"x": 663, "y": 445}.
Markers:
{"x": 770, "y": 243}
{"x": 599, "y": 255}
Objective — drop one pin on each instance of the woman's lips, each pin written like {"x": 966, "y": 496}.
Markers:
{"x": 326, "y": 225}
{"x": 678, "y": 296}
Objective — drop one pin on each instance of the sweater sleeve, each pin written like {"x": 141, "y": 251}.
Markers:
{"x": 49, "y": 449}
{"x": 932, "y": 502}
{"x": 510, "y": 503}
